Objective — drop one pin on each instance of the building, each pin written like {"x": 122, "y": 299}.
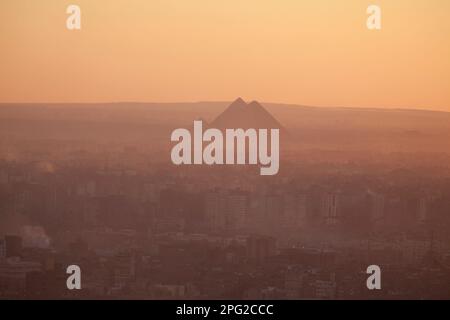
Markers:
{"x": 2, "y": 249}
{"x": 329, "y": 208}
{"x": 13, "y": 246}
{"x": 259, "y": 248}
{"x": 13, "y": 273}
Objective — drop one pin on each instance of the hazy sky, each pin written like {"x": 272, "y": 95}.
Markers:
{"x": 316, "y": 52}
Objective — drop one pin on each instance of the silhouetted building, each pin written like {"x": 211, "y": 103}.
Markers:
{"x": 2, "y": 249}
{"x": 13, "y": 246}
{"x": 259, "y": 248}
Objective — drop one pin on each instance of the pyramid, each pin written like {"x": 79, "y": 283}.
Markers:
{"x": 239, "y": 114}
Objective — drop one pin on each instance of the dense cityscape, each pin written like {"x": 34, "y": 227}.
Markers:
{"x": 147, "y": 229}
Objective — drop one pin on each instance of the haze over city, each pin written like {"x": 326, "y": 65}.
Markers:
{"x": 134, "y": 150}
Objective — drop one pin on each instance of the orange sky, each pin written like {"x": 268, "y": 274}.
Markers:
{"x": 307, "y": 52}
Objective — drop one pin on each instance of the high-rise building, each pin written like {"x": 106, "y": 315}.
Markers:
{"x": 422, "y": 214}
{"x": 215, "y": 211}
{"x": 378, "y": 204}
{"x": 259, "y": 248}
{"x": 13, "y": 246}
{"x": 124, "y": 269}
{"x": 301, "y": 209}
{"x": 329, "y": 207}
{"x": 236, "y": 210}
{"x": 2, "y": 249}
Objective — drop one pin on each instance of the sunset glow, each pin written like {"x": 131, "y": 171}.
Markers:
{"x": 312, "y": 53}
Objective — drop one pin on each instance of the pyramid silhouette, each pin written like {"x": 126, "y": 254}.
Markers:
{"x": 245, "y": 116}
